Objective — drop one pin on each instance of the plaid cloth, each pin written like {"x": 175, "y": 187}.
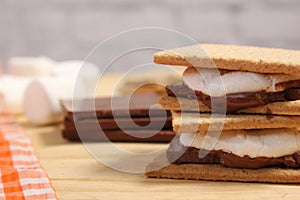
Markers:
{"x": 21, "y": 175}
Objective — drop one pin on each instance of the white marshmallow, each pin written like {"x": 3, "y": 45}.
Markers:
{"x": 30, "y": 66}
{"x": 13, "y": 89}
{"x": 89, "y": 73}
{"x": 211, "y": 82}
{"x": 254, "y": 143}
{"x": 41, "y": 99}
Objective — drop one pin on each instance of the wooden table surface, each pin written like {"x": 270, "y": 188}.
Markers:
{"x": 75, "y": 174}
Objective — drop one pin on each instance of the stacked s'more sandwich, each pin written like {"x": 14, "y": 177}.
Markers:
{"x": 243, "y": 127}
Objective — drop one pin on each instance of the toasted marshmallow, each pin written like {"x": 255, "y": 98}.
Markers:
{"x": 211, "y": 82}
{"x": 252, "y": 143}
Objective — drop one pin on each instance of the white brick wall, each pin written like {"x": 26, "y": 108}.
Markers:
{"x": 66, "y": 29}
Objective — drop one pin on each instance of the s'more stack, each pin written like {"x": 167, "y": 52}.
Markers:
{"x": 259, "y": 95}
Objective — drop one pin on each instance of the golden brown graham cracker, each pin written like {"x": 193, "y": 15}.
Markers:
{"x": 215, "y": 172}
{"x": 185, "y": 104}
{"x": 182, "y": 104}
{"x": 233, "y": 57}
{"x": 195, "y": 122}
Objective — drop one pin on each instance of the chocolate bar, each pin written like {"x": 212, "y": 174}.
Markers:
{"x": 124, "y": 123}
{"x": 120, "y": 136}
{"x": 137, "y": 105}
{"x": 119, "y": 118}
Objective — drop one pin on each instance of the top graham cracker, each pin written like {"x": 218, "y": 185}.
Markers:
{"x": 233, "y": 57}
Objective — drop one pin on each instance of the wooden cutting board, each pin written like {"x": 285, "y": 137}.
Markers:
{"x": 75, "y": 174}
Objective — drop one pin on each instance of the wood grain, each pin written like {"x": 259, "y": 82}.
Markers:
{"x": 75, "y": 174}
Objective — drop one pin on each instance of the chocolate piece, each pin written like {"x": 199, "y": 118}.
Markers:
{"x": 120, "y": 136}
{"x": 234, "y": 101}
{"x": 88, "y": 119}
{"x": 120, "y": 123}
{"x": 179, "y": 154}
{"x": 137, "y": 105}
{"x": 292, "y": 94}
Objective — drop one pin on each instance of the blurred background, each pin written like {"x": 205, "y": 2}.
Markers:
{"x": 69, "y": 29}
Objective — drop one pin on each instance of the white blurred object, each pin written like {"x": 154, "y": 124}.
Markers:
{"x": 30, "y": 66}
{"x": 1, "y": 100}
{"x": 41, "y": 99}
{"x": 1, "y": 68}
{"x": 149, "y": 80}
{"x": 12, "y": 88}
{"x": 89, "y": 73}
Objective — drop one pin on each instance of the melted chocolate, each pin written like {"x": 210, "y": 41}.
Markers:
{"x": 179, "y": 154}
{"x": 235, "y": 101}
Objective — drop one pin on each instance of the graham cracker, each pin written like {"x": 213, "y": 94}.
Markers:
{"x": 215, "y": 172}
{"x": 233, "y": 57}
{"x": 185, "y": 104}
{"x": 195, "y": 122}
{"x": 182, "y": 104}
{"x": 278, "y": 108}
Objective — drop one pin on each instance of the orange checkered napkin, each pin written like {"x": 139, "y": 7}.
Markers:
{"x": 21, "y": 175}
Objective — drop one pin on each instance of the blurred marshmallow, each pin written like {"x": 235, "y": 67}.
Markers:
{"x": 89, "y": 73}
{"x": 30, "y": 66}
{"x": 41, "y": 99}
{"x": 12, "y": 89}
